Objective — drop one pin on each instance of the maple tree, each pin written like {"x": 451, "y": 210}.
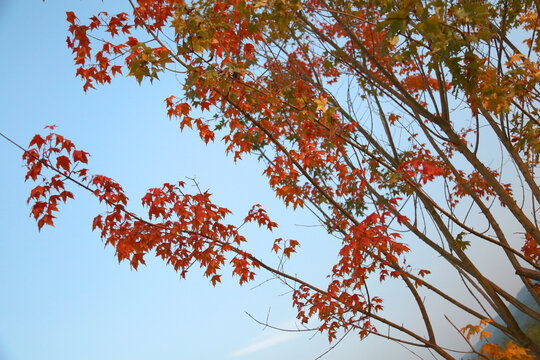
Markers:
{"x": 375, "y": 115}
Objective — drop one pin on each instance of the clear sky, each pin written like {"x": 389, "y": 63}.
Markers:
{"x": 62, "y": 295}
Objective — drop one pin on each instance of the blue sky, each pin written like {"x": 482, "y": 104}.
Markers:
{"x": 63, "y": 296}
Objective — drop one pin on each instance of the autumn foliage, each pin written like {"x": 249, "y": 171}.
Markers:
{"x": 384, "y": 118}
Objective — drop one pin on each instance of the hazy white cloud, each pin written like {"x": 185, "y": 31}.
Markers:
{"x": 264, "y": 343}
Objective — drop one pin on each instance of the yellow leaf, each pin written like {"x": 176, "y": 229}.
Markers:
{"x": 321, "y": 103}
{"x": 393, "y": 41}
{"x": 485, "y": 334}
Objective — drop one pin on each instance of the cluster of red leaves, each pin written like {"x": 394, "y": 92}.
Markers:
{"x": 531, "y": 249}
{"x": 96, "y": 68}
{"x": 368, "y": 247}
{"x": 180, "y": 110}
{"x": 337, "y": 310}
{"x": 54, "y": 152}
{"x": 422, "y": 165}
{"x": 479, "y": 185}
{"x": 181, "y": 228}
